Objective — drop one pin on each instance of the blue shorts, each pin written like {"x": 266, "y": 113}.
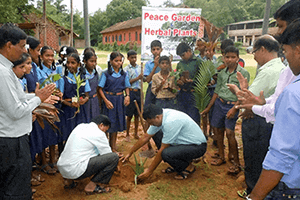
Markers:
{"x": 219, "y": 119}
{"x": 131, "y": 110}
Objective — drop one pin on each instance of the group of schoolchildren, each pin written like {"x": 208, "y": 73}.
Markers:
{"x": 114, "y": 91}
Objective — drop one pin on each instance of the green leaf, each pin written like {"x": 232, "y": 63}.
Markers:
{"x": 202, "y": 78}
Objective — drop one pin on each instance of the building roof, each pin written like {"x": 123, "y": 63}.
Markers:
{"x": 249, "y": 21}
{"x": 124, "y": 25}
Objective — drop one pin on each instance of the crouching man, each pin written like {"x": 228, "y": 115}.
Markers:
{"x": 87, "y": 153}
{"x": 178, "y": 138}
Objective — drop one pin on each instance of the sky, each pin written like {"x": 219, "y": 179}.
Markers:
{"x": 94, "y": 5}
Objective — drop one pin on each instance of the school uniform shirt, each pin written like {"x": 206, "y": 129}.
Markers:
{"x": 132, "y": 73}
{"x": 46, "y": 72}
{"x": 267, "y": 110}
{"x": 85, "y": 141}
{"x": 87, "y": 87}
{"x": 283, "y": 155}
{"x": 178, "y": 128}
{"x": 15, "y": 105}
{"x": 149, "y": 67}
{"x": 115, "y": 75}
{"x": 163, "y": 92}
{"x": 225, "y": 77}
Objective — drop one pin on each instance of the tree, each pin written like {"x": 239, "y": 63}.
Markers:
{"x": 12, "y": 10}
{"x": 123, "y": 10}
{"x": 97, "y": 24}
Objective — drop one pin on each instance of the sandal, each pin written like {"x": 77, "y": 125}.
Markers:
{"x": 98, "y": 189}
{"x": 218, "y": 161}
{"x": 49, "y": 171}
{"x": 181, "y": 176}
{"x": 187, "y": 172}
{"x": 234, "y": 169}
{"x": 216, "y": 155}
{"x": 35, "y": 182}
{"x": 71, "y": 186}
{"x": 38, "y": 177}
{"x": 242, "y": 193}
{"x": 169, "y": 170}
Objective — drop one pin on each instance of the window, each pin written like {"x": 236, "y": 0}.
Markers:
{"x": 116, "y": 38}
{"x": 136, "y": 36}
{"x": 112, "y": 38}
{"x": 129, "y": 37}
{"x": 124, "y": 37}
{"x": 106, "y": 39}
{"x": 140, "y": 36}
{"x": 120, "y": 38}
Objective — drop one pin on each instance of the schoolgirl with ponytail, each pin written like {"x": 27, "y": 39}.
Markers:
{"x": 114, "y": 81}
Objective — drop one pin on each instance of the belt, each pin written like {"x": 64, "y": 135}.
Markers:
{"x": 114, "y": 93}
{"x": 286, "y": 191}
{"x": 227, "y": 102}
{"x": 135, "y": 90}
{"x": 94, "y": 96}
{"x": 191, "y": 90}
{"x": 166, "y": 99}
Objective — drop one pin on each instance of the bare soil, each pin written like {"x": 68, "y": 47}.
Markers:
{"x": 208, "y": 182}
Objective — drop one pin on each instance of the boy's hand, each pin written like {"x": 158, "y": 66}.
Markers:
{"x": 231, "y": 113}
{"x": 75, "y": 104}
{"x": 156, "y": 61}
{"x": 141, "y": 76}
{"x": 126, "y": 100}
{"x": 144, "y": 175}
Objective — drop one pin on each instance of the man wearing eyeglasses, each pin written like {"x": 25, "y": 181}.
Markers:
{"x": 256, "y": 132}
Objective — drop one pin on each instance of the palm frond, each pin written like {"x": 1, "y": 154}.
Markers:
{"x": 203, "y": 77}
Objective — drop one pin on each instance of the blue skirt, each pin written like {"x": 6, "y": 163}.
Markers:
{"x": 117, "y": 114}
{"x": 35, "y": 141}
{"x": 92, "y": 108}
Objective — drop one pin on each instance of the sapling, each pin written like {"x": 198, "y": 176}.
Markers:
{"x": 138, "y": 169}
{"x": 79, "y": 82}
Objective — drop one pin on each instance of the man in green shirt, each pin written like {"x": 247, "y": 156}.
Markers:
{"x": 256, "y": 140}
{"x": 225, "y": 114}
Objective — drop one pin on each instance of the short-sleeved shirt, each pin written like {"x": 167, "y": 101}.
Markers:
{"x": 267, "y": 78}
{"x": 87, "y": 87}
{"x": 163, "y": 92}
{"x": 225, "y": 77}
{"x": 192, "y": 66}
{"x": 178, "y": 128}
{"x": 284, "y": 151}
{"x": 149, "y": 67}
{"x": 115, "y": 75}
{"x": 132, "y": 73}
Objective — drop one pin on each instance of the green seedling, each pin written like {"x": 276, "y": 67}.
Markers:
{"x": 52, "y": 78}
{"x": 79, "y": 82}
{"x": 138, "y": 169}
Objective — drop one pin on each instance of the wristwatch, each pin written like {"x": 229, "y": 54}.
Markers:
{"x": 248, "y": 197}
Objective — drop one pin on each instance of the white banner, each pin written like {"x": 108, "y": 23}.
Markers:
{"x": 170, "y": 26}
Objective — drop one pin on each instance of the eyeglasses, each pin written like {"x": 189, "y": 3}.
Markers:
{"x": 253, "y": 52}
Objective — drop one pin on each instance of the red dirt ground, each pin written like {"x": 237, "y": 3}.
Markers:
{"x": 122, "y": 182}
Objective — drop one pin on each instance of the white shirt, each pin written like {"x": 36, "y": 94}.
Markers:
{"x": 85, "y": 141}
{"x": 15, "y": 105}
{"x": 267, "y": 110}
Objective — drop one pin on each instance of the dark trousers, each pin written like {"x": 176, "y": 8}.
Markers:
{"x": 256, "y": 134}
{"x": 282, "y": 192}
{"x": 186, "y": 103}
{"x": 15, "y": 168}
{"x": 102, "y": 167}
{"x": 150, "y": 98}
{"x": 180, "y": 156}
